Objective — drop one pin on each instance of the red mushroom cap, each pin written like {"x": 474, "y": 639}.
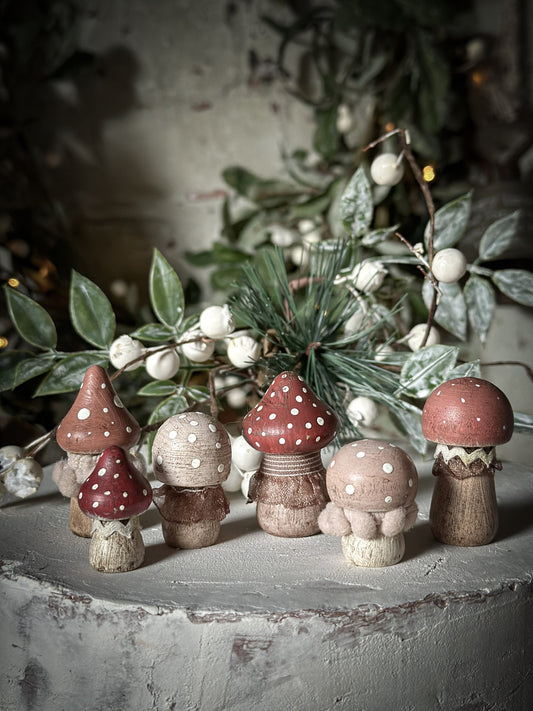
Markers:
{"x": 114, "y": 489}
{"x": 290, "y": 419}
{"x": 97, "y": 418}
{"x": 467, "y": 412}
{"x": 371, "y": 475}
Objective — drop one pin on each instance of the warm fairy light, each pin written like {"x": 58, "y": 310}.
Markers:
{"x": 428, "y": 171}
{"x": 14, "y": 282}
{"x": 478, "y": 77}
{"x": 389, "y": 126}
{"x": 3, "y": 342}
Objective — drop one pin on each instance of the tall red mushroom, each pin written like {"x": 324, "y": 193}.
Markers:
{"x": 467, "y": 418}
{"x": 113, "y": 496}
{"x": 290, "y": 425}
{"x": 96, "y": 420}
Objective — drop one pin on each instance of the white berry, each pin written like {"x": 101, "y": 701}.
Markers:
{"x": 234, "y": 480}
{"x": 243, "y": 351}
{"x": 449, "y": 265}
{"x": 386, "y": 169}
{"x": 368, "y": 275}
{"x": 362, "y": 411}
{"x": 217, "y": 321}
{"x": 282, "y": 236}
{"x": 24, "y": 477}
{"x": 8, "y": 455}
{"x": 383, "y": 352}
{"x": 244, "y": 455}
{"x": 344, "y": 121}
{"x": 416, "y": 335}
{"x": 123, "y": 350}
{"x": 163, "y": 365}
{"x": 197, "y": 351}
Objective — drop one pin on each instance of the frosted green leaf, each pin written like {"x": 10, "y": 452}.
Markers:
{"x": 523, "y": 423}
{"x": 471, "y": 369}
{"x": 498, "y": 236}
{"x": 517, "y": 284}
{"x": 166, "y": 292}
{"x": 153, "y": 332}
{"x": 158, "y": 388}
{"x": 450, "y": 223}
{"x": 357, "y": 207}
{"x": 480, "y": 303}
{"x": 451, "y": 311}
{"x": 33, "y": 323}
{"x": 31, "y": 368}
{"x": 90, "y": 312}
{"x": 425, "y": 369}
{"x": 377, "y": 236}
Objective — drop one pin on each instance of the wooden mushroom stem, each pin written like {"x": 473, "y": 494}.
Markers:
{"x": 116, "y": 546}
{"x": 463, "y": 509}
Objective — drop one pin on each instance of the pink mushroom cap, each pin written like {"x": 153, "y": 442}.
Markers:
{"x": 289, "y": 419}
{"x": 468, "y": 412}
{"x": 114, "y": 489}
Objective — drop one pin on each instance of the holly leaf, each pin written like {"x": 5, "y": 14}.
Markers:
{"x": 357, "y": 207}
{"x": 166, "y": 292}
{"x": 498, "y": 236}
{"x": 33, "y": 323}
{"x": 68, "y": 374}
{"x": 451, "y": 311}
{"x": 91, "y": 312}
{"x": 480, "y": 302}
{"x": 517, "y": 284}
{"x": 450, "y": 223}
{"x": 425, "y": 369}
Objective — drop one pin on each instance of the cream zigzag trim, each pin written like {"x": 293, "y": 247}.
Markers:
{"x": 105, "y": 529}
{"x": 466, "y": 457}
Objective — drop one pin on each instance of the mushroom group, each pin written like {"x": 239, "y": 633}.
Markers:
{"x": 113, "y": 496}
{"x": 467, "y": 418}
{"x": 96, "y": 420}
{"x": 191, "y": 455}
{"x": 290, "y": 425}
{"x": 372, "y": 486}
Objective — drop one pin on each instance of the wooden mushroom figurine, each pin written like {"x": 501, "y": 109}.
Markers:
{"x": 191, "y": 455}
{"x": 113, "y": 496}
{"x": 96, "y": 420}
{"x": 467, "y": 418}
{"x": 372, "y": 486}
{"x": 290, "y": 425}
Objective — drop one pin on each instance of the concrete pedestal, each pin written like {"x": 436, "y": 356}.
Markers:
{"x": 264, "y": 623}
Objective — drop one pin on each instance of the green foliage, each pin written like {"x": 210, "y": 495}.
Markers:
{"x": 166, "y": 292}
{"x": 30, "y": 319}
{"x": 90, "y": 311}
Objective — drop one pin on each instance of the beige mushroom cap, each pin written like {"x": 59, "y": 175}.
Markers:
{"x": 371, "y": 475}
{"x": 191, "y": 449}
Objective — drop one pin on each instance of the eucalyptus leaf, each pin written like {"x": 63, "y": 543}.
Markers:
{"x": 377, "y": 236}
{"x": 451, "y": 221}
{"x": 498, "y": 236}
{"x": 451, "y": 311}
{"x": 90, "y": 312}
{"x": 166, "y": 292}
{"x": 357, "y": 208}
{"x": 31, "y": 368}
{"x": 154, "y": 333}
{"x": 33, "y": 323}
{"x": 158, "y": 388}
{"x": 9, "y": 362}
{"x": 68, "y": 374}
{"x": 471, "y": 369}
{"x": 480, "y": 302}
{"x": 517, "y": 284}
{"x": 523, "y": 423}
{"x": 425, "y": 369}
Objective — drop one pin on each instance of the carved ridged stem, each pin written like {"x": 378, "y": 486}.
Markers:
{"x": 119, "y": 552}
{"x": 374, "y": 552}
{"x": 79, "y": 523}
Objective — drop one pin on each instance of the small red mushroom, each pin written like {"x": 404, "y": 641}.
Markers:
{"x": 290, "y": 425}
{"x": 467, "y": 418}
{"x": 113, "y": 496}
{"x": 372, "y": 486}
{"x": 96, "y": 420}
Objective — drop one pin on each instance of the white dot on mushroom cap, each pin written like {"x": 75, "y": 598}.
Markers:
{"x": 444, "y": 422}
{"x": 122, "y": 507}
{"x": 106, "y": 434}
{"x": 220, "y": 467}
{"x": 332, "y": 463}
{"x": 478, "y": 419}
{"x": 272, "y": 416}
{"x": 295, "y": 411}
{"x": 257, "y": 418}
{"x": 128, "y": 429}
{"x": 285, "y": 388}
{"x": 105, "y": 409}
{"x": 102, "y": 471}
{"x": 249, "y": 430}
{"x": 195, "y": 463}
{"x": 95, "y": 504}
{"x": 159, "y": 459}
{"x": 69, "y": 434}
{"x": 194, "y": 423}
{"x": 380, "y": 447}
{"x": 145, "y": 493}
{"x": 116, "y": 475}
{"x": 284, "y": 376}
{"x": 298, "y": 441}
{"x": 387, "y": 468}
{"x": 84, "y": 413}
{"x": 477, "y": 385}
{"x": 388, "y": 499}
{"x": 313, "y": 404}
{"x": 317, "y": 439}
{"x": 125, "y": 494}
{"x": 103, "y": 386}
{"x": 304, "y": 390}
{"x": 258, "y": 445}
{"x": 218, "y": 445}
{"x": 281, "y": 440}
{"x": 410, "y": 482}
{"x": 172, "y": 434}
{"x": 504, "y": 427}
{"x": 328, "y": 412}
{"x": 259, "y": 408}
{"x": 107, "y": 493}
{"x": 360, "y": 455}
{"x": 289, "y": 425}
{"x": 350, "y": 489}
{"x": 299, "y": 398}
{"x": 273, "y": 393}
{"x": 308, "y": 425}
{"x": 80, "y": 495}
{"x": 191, "y": 438}
{"x": 94, "y": 487}
{"x": 463, "y": 400}
{"x": 438, "y": 393}
{"x": 320, "y": 420}
{"x": 212, "y": 427}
